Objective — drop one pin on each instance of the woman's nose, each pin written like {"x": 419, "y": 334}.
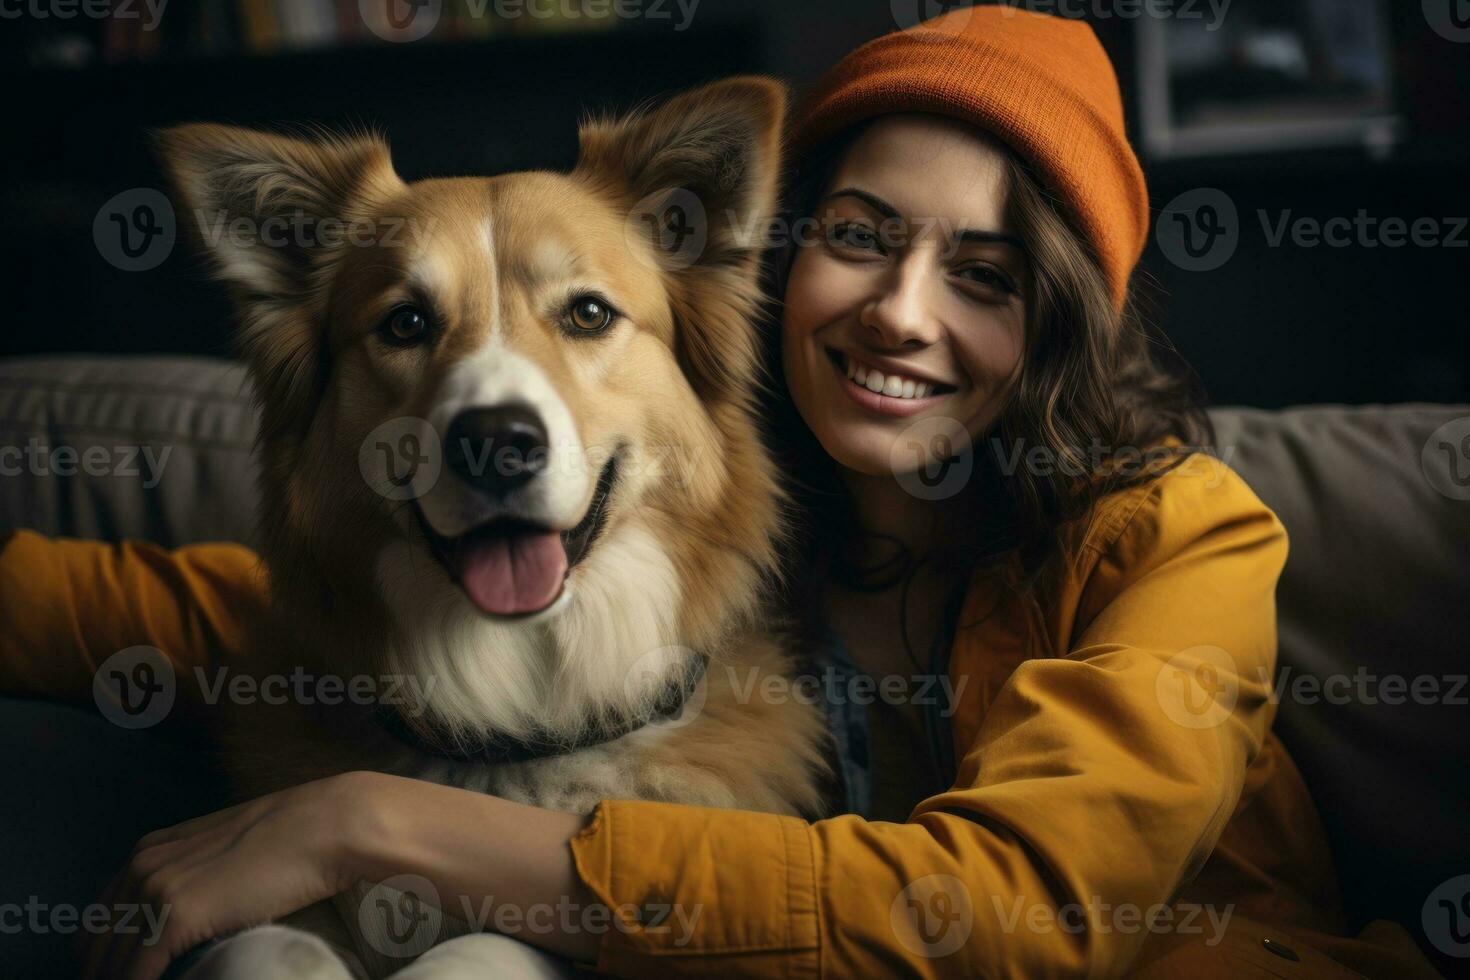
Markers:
{"x": 899, "y": 315}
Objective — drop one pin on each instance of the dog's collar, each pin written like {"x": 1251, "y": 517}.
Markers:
{"x": 500, "y": 749}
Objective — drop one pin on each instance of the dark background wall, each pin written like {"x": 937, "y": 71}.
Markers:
{"x": 1274, "y": 325}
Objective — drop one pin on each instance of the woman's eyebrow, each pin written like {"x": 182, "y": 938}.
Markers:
{"x": 969, "y": 235}
{"x": 871, "y": 200}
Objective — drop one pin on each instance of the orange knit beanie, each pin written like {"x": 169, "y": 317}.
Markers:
{"x": 1041, "y": 84}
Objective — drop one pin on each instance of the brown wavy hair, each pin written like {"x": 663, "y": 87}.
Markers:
{"x": 1092, "y": 383}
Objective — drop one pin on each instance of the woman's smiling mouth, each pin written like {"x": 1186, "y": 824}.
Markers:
{"x": 884, "y": 392}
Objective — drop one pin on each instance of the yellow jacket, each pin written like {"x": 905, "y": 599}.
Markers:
{"x": 1120, "y": 803}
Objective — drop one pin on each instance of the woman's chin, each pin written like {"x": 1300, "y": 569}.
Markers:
{"x": 861, "y": 449}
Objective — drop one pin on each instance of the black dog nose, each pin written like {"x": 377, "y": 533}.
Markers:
{"x": 497, "y": 450}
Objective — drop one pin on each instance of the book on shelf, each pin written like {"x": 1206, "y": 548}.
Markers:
{"x": 204, "y": 29}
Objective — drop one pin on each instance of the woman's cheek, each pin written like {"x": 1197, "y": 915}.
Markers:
{"x": 991, "y": 358}
{"x": 819, "y": 289}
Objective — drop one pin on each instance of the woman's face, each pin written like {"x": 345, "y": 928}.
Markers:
{"x": 905, "y": 306}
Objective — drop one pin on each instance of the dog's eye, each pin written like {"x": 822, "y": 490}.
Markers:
{"x": 590, "y": 314}
{"x": 405, "y": 326}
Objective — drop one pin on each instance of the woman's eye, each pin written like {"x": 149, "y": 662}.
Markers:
{"x": 856, "y": 236}
{"x": 988, "y": 277}
{"x": 405, "y": 326}
{"x": 590, "y": 314}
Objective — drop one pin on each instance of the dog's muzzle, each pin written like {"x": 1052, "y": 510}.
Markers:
{"x": 511, "y": 565}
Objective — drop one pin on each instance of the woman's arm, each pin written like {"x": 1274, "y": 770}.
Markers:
{"x": 262, "y": 860}
{"x": 485, "y": 856}
{"x": 68, "y": 605}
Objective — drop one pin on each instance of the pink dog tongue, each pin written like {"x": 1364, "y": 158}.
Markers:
{"x": 509, "y": 574}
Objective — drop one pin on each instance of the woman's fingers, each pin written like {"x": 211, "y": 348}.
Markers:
{"x": 211, "y": 875}
{"x": 147, "y": 890}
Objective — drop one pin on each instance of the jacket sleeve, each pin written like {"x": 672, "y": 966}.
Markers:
{"x": 70, "y": 604}
{"x": 1097, "y": 785}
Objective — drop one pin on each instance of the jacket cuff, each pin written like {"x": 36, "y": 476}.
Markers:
{"x": 699, "y": 890}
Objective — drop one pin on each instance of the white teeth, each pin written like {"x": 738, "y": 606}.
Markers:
{"x": 890, "y": 385}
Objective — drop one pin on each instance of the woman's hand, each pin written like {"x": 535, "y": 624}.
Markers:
{"x": 233, "y": 869}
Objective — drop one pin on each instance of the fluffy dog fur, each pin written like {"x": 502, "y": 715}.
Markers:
{"x": 689, "y": 531}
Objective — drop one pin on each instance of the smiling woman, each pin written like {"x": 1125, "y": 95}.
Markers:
{"x": 963, "y": 394}
{"x": 912, "y": 295}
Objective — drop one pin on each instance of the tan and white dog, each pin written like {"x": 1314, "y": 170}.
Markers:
{"x": 510, "y": 466}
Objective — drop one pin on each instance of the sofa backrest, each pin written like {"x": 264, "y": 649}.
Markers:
{"x": 1374, "y": 613}
{"x": 158, "y": 448}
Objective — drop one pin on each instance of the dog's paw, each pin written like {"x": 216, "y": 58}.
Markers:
{"x": 486, "y": 954}
{"x": 271, "y": 951}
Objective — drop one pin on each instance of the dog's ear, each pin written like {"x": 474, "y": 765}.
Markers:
{"x": 272, "y": 214}
{"x": 699, "y": 177}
